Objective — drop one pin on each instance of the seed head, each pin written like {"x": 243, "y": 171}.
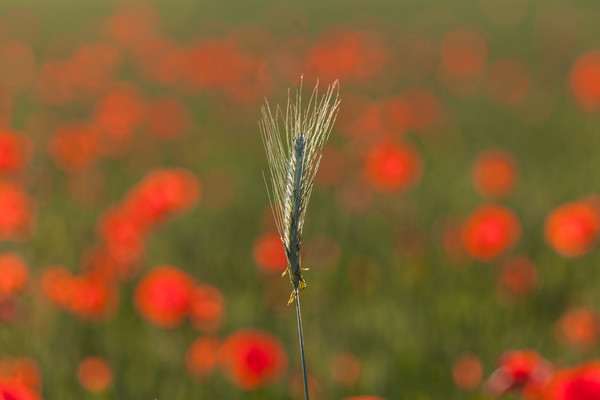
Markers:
{"x": 294, "y": 162}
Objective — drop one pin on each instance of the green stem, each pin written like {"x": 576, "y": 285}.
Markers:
{"x": 299, "y": 317}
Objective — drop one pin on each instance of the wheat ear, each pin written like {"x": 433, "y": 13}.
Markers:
{"x": 293, "y": 165}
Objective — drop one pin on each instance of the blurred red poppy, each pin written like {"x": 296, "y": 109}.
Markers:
{"x": 201, "y": 357}
{"x": 463, "y": 52}
{"x": 206, "y": 308}
{"x": 88, "y": 296}
{"x": 269, "y": 253}
{"x": 345, "y": 369}
{"x": 507, "y": 81}
{"x": 467, "y": 372}
{"x": 425, "y": 108}
{"x": 221, "y": 65}
{"x": 91, "y": 296}
{"x": 93, "y": 67}
{"x": 14, "y": 390}
{"x": 14, "y": 151}
{"x": 163, "y": 296}
{"x": 371, "y": 122}
{"x": 133, "y": 24}
{"x": 16, "y": 217}
{"x": 585, "y": 80}
{"x": 520, "y": 371}
{"x": 94, "y": 374}
{"x": 494, "y": 173}
{"x": 571, "y": 228}
{"x": 392, "y": 167}
{"x": 342, "y": 54}
{"x": 56, "y": 282}
{"x": 252, "y": 359}
{"x": 23, "y": 370}
{"x": 56, "y": 83}
{"x": 168, "y": 117}
{"x": 489, "y": 231}
{"x": 579, "y": 327}
{"x": 122, "y": 235}
{"x": 518, "y": 277}
{"x": 581, "y": 382}
{"x": 101, "y": 261}
{"x": 162, "y": 192}
{"x": 74, "y": 147}
{"x": 463, "y": 55}
{"x": 296, "y": 386}
{"x": 162, "y": 60}
{"x": 120, "y": 111}
{"x": 13, "y": 274}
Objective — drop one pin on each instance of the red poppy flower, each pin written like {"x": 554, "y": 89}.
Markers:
{"x": 269, "y": 253}
{"x": 341, "y": 54}
{"x": 398, "y": 114}
{"x": 16, "y": 219}
{"x": 518, "y": 276}
{"x": 425, "y": 108}
{"x": 14, "y": 390}
{"x": 252, "y": 359}
{"x": 14, "y": 151}
{"x": 162, "y": 60}
{"x": 201, "y": 357}
{"x": 371, "y": 120}
{"x": 56, "y": 83}
{"x": 489, "y": 231}
{"x": 579, "y": 327}
{"x": 392, "y": 167}
{"x": 467, "y": 372}
{"x": 523, "y": 371}
{"x": 463, "y": 52}
{"x": 94, "y": 374}
{"x": 571, "y": 228}
{"x": 585, "y": 80}
{"x": 221, "y": 65}
{"x": 161, "y": 193}
{"x": 93, "y": 67}
{"x": 507, "y": 81}
{"x": 56, "y": 283}
{"x": 13, "y": 274}
{"x": 463, "y": 56}
{"x": 163, "y": 296}
{"x": 522, "y": 365}
{"x": 345, "y": 369}
{"x": 88, "y": 296}
{"x": 91, "y": 296}
{"x": 168, "y": 117}
{"x": 74, "y": 147}
{"x": 206, "y": 308}
{"x": 101, "y": 262}
{"x": 122, "y": 235}
{"x": 119, "y": 112}
{"x": 494, "y": 173}
{"x": 581, "y": 382}
{"x": 133, "y": 24}
{"x": 23, "y": 370}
